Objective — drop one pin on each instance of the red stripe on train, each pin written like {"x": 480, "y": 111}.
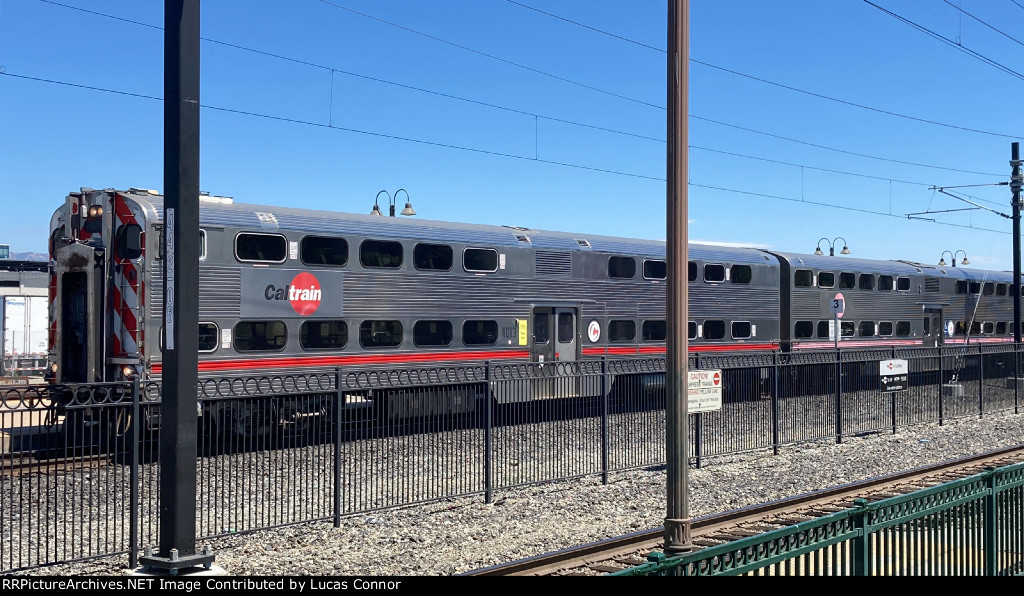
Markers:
{"x": 304, "y": 361}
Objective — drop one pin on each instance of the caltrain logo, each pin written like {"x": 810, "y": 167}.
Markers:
{"x": 303, "y": 293}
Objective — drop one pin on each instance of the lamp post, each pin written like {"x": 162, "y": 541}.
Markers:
{"x": 832, "y": 247}
{"x": 952, "y": 255}
{"x": 391, "y": 203}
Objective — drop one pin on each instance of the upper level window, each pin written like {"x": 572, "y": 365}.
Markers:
{"x": 714, "y": 273}
{"x": 826, "y": 279}
{"x": 847, "y": 281}
{"x": 975, "y": 287}
{"x": 621, "y": 267}
{"x": 961, "y": 287}
{"x": 885, "y": 283}
{"x": 267, "y": 248}
{"x": 380, "y": 334}
{"x": 1000, "y": 289}
{"x": 803, "y": 278}
{"x": 324, "y": 250}
{"x": 740, "y": 274}
{"x": 655, "y": 269}
{"x": 867, "y": 281}
{"x": 323, "y": 335}
{"x": 692, "y": 271}
{"x": 383, "y": 254}
{"x": 990, "y": 289}
{"x": 432, "y": 333}
{"x": 480, "y": 259}
{"x": 903, "y": 284}
{"x": 621, "y": 331}
{"x": 432, "y": 257}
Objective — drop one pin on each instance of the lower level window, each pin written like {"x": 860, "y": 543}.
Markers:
{"x": 380, "y": 334}
{"x": 323, "y": 335}
{"x": 260, "y": 336}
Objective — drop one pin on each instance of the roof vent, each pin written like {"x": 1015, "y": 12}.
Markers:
{"x": 584, "y": 243}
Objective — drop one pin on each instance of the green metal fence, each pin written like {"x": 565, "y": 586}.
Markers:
{"x": 970, "y": 527}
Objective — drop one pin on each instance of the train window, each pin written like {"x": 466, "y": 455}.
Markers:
{"x": 848, "y": 328}
{"x": 540, "y": 328}
{"x": 202, "y": 245}
{"x": 656, "y": 331}
{"x": 481, "y": 333}
{"x": 380, "y": 334}
{"x": 1001, "y": 289}
{"x": 381, "y": 254}
{"x": 714, "y": 330}
{"x": 975, "y": 287}
{"x": 621, "y": 267}
{"x": 847, "y": 281}
{"x": 324, "y": 250}
{"x": 267, "y": 248}
{"x": 902, "y": 284}
{"x": 655, "y": 269}
{"x": 903, "y": 328}
{"x": 432, "y": 333}
{"x": 260, "y": 336}
{"x": 741, "y": 329}
{"x": 989, "y": 289}
{"x": 207, "y": 337}
{"x": 740, "y": 274}
{"x": 480, "y": 259}
{"x": 323, "y": 335}
{"x": 714, "y": 273}
{"x": 620, "y": 332}
{"x": 432, "y": 257}
{"x": 823, "y": 329}
{"x": 867, "y": 281}
{"x": 803, "y": 329}
{"x": 692, "y": 271}
{"x": 959, "y": 328}
{"x": 128, "y": 243}
{"x": 803, "y": 278}
{"x": 566, "y": 328}
{"x": 826, "y": 279}
{"x": 961, "y": 287}
{"x": 1001, "y": 328}
{"x": 691, "y": 330}
{"x": 867, "y": 328}
{"x": 885, "y": 283}
{"x": 975, "y": 327}
{"x": 988, "y": 327}
{"x": 885, "y": 328}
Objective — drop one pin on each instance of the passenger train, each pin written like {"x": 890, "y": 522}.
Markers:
{"x": 283, "y": 289}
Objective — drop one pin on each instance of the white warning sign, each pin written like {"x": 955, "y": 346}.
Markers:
{"x": 704, "y": 391}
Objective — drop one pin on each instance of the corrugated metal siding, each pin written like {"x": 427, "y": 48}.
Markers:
{"x": 220, "y": 294}
{"x": 549, "y": 262}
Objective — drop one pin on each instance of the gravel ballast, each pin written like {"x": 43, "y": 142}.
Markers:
{"x": 458, "y": 535}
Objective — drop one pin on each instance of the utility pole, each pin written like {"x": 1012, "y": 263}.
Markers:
{"x": 181, "y": 289}
{"x": 678, "y": 538}
{"x": 1016, "y": 180}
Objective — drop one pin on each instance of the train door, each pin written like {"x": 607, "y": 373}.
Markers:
{"x": 554, "y": 341}
{"x": 933, "y": 331}
{"x": 79, "y": 329}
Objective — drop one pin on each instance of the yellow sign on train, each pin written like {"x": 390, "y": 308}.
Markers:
{"x": 522, "y": 331}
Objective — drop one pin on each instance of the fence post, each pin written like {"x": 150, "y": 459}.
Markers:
{"x": 991, "y": 523}
{"x": 942, "y": 375}
{"x": 339, "y": 407}
{"x": 862, "y": 543}
{"x": 839, "y": 396}
{"x": 1016, "y": 379}
{"x": 775, "y": 403}
{"x": 488, "y": 437}
{"x": 605, "y": 447}
{"x": 133, "y": 478}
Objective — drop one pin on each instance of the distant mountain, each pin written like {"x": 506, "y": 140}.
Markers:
{"x": 29, "y": 256}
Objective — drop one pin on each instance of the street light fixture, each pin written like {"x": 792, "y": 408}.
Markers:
{"x": 832, "y": 247}
{"x": 391, "y": 204}
{"x": 942, "y": 260}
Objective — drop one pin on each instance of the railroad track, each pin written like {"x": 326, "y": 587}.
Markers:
{"x": 631, "y": 550}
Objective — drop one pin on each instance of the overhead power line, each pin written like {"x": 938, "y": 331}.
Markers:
{"x": 451, "y": 146}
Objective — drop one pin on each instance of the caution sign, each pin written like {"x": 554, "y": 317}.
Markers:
{"x": 704, "y": 391}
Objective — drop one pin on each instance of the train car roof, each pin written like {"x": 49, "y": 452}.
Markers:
{"x": 221, "y": 212}
{"x": 845, "y": 263}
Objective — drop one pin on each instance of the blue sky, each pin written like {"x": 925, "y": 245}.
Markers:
{"x": 808, "y": 119}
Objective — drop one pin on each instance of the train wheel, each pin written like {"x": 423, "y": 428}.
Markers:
{"x": 250, "y": 421}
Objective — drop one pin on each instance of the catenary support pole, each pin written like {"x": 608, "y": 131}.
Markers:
{"x": 178, "y": 420}
{"x": 677, "y": 520}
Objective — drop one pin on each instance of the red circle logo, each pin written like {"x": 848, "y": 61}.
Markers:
{"x": 304, "y": 294}
{"x": 717, "y": 379}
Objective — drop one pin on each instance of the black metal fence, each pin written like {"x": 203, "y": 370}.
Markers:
{"x": 79, "y": 476}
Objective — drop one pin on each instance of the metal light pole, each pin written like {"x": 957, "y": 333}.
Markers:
{"x": 1016, "y": 179}
{"x": 677, "y": 521}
